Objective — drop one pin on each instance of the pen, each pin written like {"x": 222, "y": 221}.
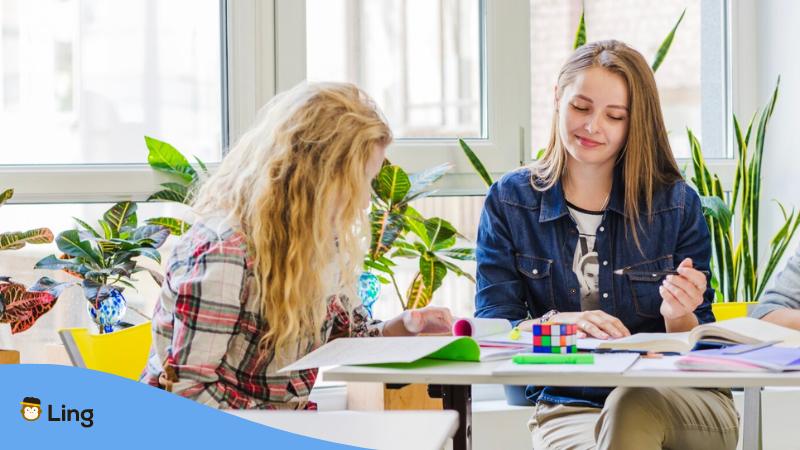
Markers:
{"x": 640, "y": 352}
{"x": 544, "y": 358}
{"x": 656, "y": 273}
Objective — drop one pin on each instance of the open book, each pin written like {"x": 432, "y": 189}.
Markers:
{"x": 384, "y": 350}
{"x": 743, "y": 330}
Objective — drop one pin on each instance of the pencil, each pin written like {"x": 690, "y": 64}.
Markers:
{"x": 655, "y": 273}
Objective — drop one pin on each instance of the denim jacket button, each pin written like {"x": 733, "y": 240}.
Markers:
{"x": 602, "y": 228}
{"x": 535, "y": 271}
{"x": 572, "y": 291}
{"x": 605, "y": 294}
{"x": 605, "y": 263}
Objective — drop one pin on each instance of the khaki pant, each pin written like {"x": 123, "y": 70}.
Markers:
{"x": 640, "y": 419}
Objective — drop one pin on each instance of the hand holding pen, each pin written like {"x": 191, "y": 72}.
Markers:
{"x": 682, "y": 293}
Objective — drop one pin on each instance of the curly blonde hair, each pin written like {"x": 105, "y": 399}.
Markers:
{"x": 295, "y": 183}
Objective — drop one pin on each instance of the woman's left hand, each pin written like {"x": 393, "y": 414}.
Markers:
{"x": 430, "y": 319}
{"x": 683, "y": 293}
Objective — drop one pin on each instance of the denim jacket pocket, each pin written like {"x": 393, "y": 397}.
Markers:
{"x": 537, "y": 276}
{"x": 644, "y": 284}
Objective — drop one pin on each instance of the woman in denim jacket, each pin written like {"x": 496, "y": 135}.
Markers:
{"x": 606, "y": 195}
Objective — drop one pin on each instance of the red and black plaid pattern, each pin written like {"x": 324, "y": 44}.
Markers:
{"x": 207, "y": 326}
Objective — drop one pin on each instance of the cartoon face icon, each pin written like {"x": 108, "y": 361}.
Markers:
{"x": 31, "y": 408}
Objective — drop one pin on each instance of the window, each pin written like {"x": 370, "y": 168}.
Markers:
{"x": 420, "y": 60}
{"x": 553, "y": 25}
{"x": 434, "y": 68}
{"x": 84, "y": 80}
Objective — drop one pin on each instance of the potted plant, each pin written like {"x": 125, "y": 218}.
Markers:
{"x": 21, "y": 307}
{"x": 400, "y": 231}
{"x": 737, "y": 275}
{"x": 166, "y": 159}
{"x": 103, "y": 260}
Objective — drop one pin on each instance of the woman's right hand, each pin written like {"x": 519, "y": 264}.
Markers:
{"x": 594, "y": 323}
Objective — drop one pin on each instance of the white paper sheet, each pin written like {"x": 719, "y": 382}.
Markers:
{"x": 603, "y": 363}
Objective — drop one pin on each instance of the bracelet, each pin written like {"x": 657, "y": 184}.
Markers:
{"x": 547, "y": 316}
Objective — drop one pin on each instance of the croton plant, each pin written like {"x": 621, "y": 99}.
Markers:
{"x": 20, "y": 306}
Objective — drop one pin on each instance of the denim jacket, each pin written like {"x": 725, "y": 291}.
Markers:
{"x": 526, "y": 243}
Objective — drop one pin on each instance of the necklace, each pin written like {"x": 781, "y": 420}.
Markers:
{"x": 605, "y": 202}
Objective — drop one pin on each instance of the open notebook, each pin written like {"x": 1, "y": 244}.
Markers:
{"x": 383, "y": 350}
{"x": 743, "y": 330}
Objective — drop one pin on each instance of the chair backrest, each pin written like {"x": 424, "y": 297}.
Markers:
{"x": 122, "y": 352}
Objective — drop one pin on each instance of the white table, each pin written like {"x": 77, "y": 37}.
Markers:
{"x": 379, "y": 429}
{"x": 456, "y": 379}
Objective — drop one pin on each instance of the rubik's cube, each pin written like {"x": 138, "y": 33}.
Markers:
{"x": 555, "y": 338}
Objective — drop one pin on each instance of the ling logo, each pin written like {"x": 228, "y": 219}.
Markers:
{"x": 31, "y": 408}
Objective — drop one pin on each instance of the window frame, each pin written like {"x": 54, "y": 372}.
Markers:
{"x": 263, "y": 52}
{"x": 505, "y": 25}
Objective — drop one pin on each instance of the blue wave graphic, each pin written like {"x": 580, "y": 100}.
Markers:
{"x": 125, "y": 414}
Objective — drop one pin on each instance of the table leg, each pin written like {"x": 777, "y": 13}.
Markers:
{"x": 459, "y": 399}
{"x": 751, "y": 432}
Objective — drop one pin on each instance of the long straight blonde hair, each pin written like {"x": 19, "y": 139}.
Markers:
{"x": 646, "y": 157}
{"x": 295, "y": 183}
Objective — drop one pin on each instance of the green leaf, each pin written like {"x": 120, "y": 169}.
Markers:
{"x": 386, "y": 227}
{"x": 149, "y": 252}
{"x": 580, "y": 33}
{"x": 463, "y": 254}
{"x": 87, "y": 227}
{"x": 432, "y": 271}
{"x": 439, "y": 231}
{"x": 476, "y": 162}
{"x": 368, "y": 263}
{"x": 201, "y": 164}
{"x": 175, "y": 226}
{"x": 69, "y": 243}
{"x": 403, "y": 253}
{"x": 17, "y": 239}
{"x": 457, "y": 270}
{"x": 50, "y": 286}
{"x": 50, "y": 262}
{"x": 714, "y": 206}
{"x": 665, "y": 45}
{"x": 420, "y": 181}
{"x": 121, "y": 215}
{"x": 417, "y": 226}
{"x": 174, "y": 192}
{"x": 6, "y": 195}
{"x": 108, "y": 232}
{"x": 165, "y": 158}
{"x": 417, "y": 295}
{"x": 155, "y": 234}
{"x": 392, "y": 184}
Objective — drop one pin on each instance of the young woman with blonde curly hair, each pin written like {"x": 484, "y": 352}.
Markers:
{"x": 268, "y": 272}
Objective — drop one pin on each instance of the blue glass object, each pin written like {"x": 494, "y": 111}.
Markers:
{"x": 111, "y": 311}
{"x": 369, "y": 289}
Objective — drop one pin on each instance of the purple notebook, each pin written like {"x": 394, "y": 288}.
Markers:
{"x": 736, "y": 358}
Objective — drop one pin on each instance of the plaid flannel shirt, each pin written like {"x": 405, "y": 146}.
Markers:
{"x": 208, "y": 326}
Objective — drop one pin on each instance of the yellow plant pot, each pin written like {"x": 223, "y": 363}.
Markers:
{"x": 122, "y": 352}
{"x": 730, "y": 310}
